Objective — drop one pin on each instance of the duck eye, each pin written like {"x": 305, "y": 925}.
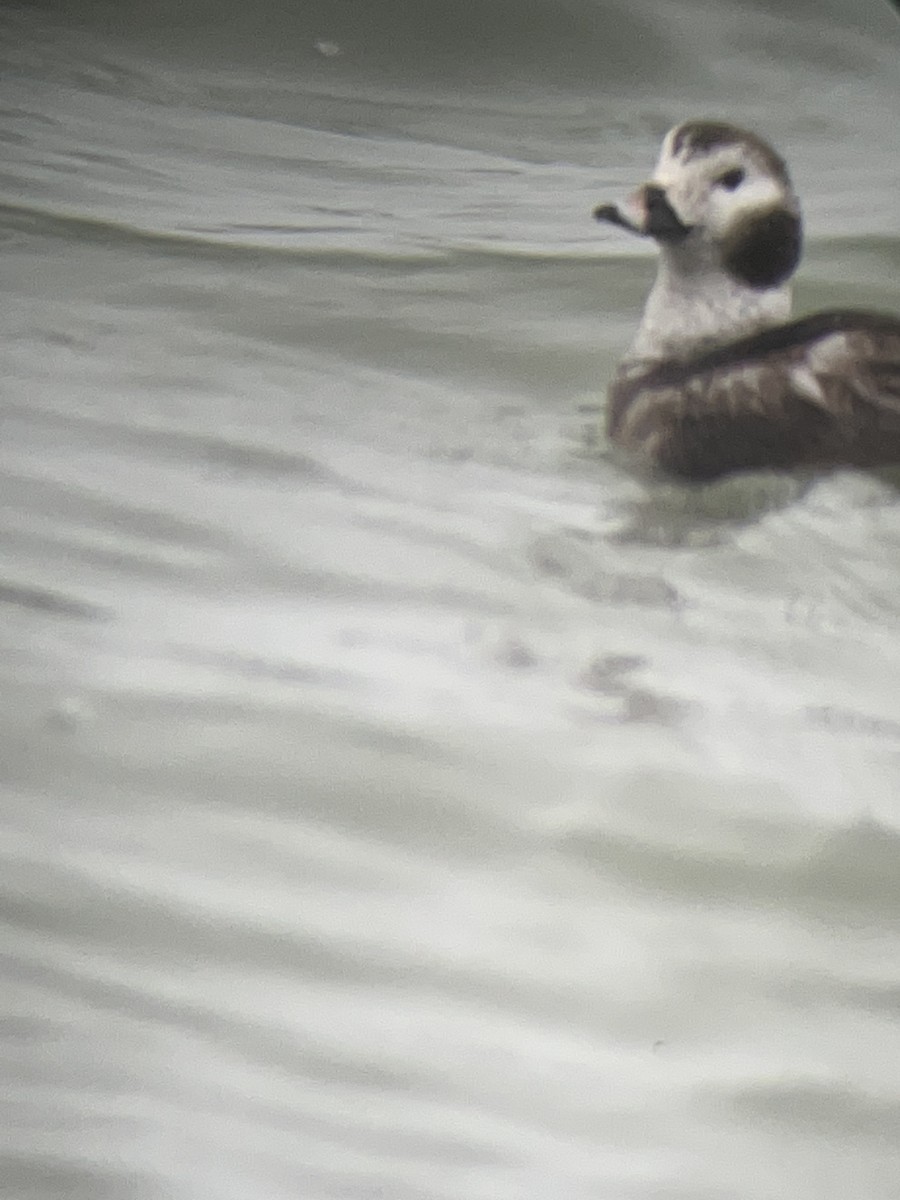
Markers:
{"x": 732, "y": 179}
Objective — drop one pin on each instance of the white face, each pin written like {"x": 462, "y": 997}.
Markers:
{"x": 720, "y": 201}
{"x": 716, "y": 189}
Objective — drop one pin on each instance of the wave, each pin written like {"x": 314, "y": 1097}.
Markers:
{"x": 602, "y": 43}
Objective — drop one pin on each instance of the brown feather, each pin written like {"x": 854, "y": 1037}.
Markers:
{"x": 822, "y": 391}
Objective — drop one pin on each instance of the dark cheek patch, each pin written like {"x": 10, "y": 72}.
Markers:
{"x": 764, "y": 250}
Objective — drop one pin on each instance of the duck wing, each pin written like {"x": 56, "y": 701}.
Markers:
{"x": 823, "y": 391}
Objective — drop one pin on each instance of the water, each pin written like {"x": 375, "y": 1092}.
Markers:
{"x": 401, "y": 800}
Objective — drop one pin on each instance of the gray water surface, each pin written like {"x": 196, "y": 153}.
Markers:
{"x": 400, "y": 799}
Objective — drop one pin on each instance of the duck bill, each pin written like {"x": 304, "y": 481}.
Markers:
{"x": 631, "y": 214}
{"x": 646, "y": 212}
{"x": 613, "y": 215}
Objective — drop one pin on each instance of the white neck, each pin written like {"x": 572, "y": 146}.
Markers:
{"x": 695, "y": 306}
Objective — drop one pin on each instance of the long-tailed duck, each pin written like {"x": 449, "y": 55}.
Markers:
{"x": 718, "y": 378}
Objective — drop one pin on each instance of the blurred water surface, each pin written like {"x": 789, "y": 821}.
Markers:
{"x": 399, "y": 799}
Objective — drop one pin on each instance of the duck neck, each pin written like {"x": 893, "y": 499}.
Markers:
{"x": 693, "y": 306}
